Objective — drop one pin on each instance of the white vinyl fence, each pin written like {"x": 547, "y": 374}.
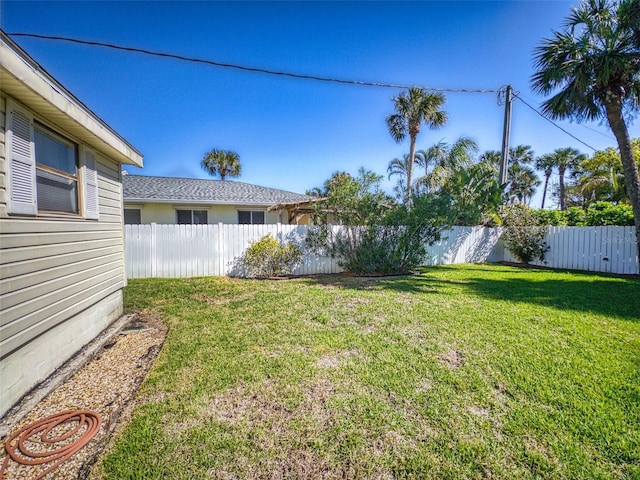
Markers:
{"x": 179, "y": 251}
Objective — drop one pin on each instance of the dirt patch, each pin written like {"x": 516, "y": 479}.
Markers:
{"x": 452, "y": 359}
{"x": 337, "y": 359}
{"x": 105, "y": 384}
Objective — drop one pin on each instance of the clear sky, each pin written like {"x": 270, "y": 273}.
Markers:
{"x": 291, "y": 133}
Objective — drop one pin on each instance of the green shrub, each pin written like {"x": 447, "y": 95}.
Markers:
{"x": 268, "y": 257}
{"x": 606, "y": 213}
{"x": 598, "y": 214}
{"x": 576, "y": 217}
{"x": 523, "y": 236}
{"x": 554, "y": 218}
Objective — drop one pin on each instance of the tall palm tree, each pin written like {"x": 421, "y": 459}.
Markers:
{"x": 546, "y": 164}
{"x": 222, "y": 162}
{"x": 595, "y": 65}
{"x": 414, "y": 107}
{"x": 566, "y": 158}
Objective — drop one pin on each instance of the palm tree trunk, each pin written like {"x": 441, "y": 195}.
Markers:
{"x": 632, "y": 179}
{"x": 561, "y": 181}
{"x": 412, "y": 155}
{"x": 544, "y": 192}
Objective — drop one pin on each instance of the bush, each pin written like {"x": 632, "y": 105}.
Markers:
{"x": 606, "y": 213}
{"x": 598, "y": 214}
{"x": 522, "y": 235}
{"x": 268, "y": 257}
{"x": 554, "y": 218}
{"x": 576, "y": 217}
{"x": 375, "y": 235}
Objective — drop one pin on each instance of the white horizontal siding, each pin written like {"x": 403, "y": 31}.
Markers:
{"x": 52, "y": 268}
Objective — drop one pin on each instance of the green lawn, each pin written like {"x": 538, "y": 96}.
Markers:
{"x": 460, "y": 372}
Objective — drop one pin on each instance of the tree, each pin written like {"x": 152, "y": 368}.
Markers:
{"x": 414, "y": 107}
{"x": 594, "y": 65}
{"x": 472, "y": 193}
{"x": 400, "y": 168}
{"x": 222, "y": 162}
{"x": 563, "y": 159}
{"x": 601, "y": 177}
{"x": 546, "y": 164}
{"x": 445, "y": 159}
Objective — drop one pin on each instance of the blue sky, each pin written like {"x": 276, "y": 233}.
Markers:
{"x": 291, "y": 133}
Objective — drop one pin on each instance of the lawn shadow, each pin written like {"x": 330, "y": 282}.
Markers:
{"x": 592, "y": 294}
{"x": 583, "y": 292}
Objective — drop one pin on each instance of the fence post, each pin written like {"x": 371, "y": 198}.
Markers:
{"x": 154, "y": 251}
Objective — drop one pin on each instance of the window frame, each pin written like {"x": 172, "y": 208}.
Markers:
{"x": 124, "y": 215}
{"x": 22, "y": 165}
{"x": 191, "y": 211}
{"x": 77, "y": 178}
{"x": 251, "y": 214}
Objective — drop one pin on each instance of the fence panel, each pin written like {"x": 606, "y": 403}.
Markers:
{"x": 173, "y": 251}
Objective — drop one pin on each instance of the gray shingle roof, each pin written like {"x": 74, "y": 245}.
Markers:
{"x": 190, "y": 190}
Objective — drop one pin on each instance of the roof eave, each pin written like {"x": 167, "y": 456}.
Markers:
{"x": 26, "y": 81}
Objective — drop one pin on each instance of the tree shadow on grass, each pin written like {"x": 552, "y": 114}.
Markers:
{"x": 600, "y": 296}
{"x": 582, "y": 292}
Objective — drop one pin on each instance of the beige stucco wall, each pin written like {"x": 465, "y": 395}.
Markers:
{"x": 165, "y": 213}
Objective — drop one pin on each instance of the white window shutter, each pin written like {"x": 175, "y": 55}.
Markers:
{"x": 21, "y": 156}
{"x": 91, "y": 206}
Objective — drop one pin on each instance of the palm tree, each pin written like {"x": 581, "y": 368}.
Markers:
{"x": 222, "y": 162}
{"x": 595, "y": 65}
{"x": 445, "y": 159}
{"x": 566, "y": 158}
{"x": 546, "y": 164}
{"x": 399, "y": 167}
{"x": 523, "y": 182}
{"x": 414, "y": 107}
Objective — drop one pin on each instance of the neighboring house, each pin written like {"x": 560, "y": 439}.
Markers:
{"x": 170, "y": 200}
{"x": 61, "y": 227}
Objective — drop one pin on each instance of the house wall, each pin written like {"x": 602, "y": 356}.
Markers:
{"x": 60, "y": 280}
{"x": 165, "y": 213}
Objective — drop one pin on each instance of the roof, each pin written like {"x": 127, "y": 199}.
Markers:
{"x": 25, "y": 80}
{"x": 138, "y": 188}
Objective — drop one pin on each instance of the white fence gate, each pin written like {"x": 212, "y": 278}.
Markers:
{"x": 173, "y": 251}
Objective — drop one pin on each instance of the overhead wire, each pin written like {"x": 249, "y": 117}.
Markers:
{"x": 515, "y": 95}
{"x": 292, "y": 74}
{"x": 244, "y": 67}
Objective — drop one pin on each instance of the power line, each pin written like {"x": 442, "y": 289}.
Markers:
{"x": 582, "y": 125}
{"x": 554, "y": 123}
{"x": 246, "y": 68}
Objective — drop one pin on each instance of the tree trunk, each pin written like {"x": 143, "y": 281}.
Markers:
{"x": 561, "y": 171}
{"x": 412, "y": 154}
{"x": 613, "y": 108}
{"x": 544, "y": 192}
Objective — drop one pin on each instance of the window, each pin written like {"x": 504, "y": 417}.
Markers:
{"x": 246, "y": 217}
{"x": 132, "y": 216}
{"x": 194, "y": 217}
{"x": 45, "y": 172}
{"x": 56, "y": 171}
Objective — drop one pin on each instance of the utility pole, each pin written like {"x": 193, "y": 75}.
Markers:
{"x": 506, "y": 133}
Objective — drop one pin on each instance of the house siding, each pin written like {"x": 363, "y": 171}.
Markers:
{"x": 60, "y": 281}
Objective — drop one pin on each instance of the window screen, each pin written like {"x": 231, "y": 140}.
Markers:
{"x": 56, "y": 171}
{"x": 132, "y": 216}
{"x": 196, "y": 217}
{"x": 246, "y": 217}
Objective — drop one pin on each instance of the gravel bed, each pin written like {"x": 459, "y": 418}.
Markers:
{"x": 106, "y": 384}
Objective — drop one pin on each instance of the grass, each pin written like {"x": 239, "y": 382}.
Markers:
{"x": 460, "y": 372}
